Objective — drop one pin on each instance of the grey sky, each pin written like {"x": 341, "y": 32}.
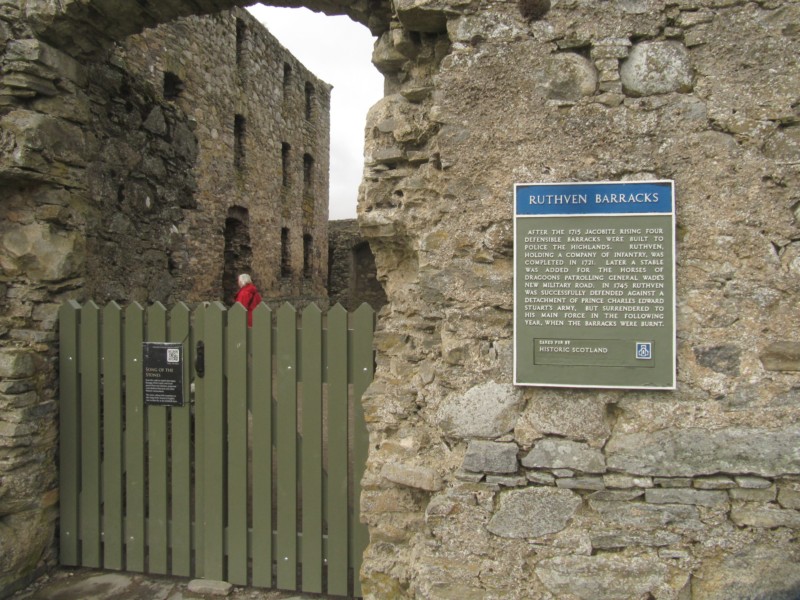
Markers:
{"x": 338, "y": 51}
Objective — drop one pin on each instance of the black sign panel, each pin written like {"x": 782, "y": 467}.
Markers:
{"x": 163, "y": 373}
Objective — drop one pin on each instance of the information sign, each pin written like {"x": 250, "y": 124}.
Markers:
{"x": 594, "y": 284}
{"x": 163, "y": 373}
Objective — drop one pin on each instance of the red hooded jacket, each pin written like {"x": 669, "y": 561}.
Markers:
{"x": 248, "y": 297}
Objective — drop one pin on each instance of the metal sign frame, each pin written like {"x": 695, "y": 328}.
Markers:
{"x": 594, "y": 285}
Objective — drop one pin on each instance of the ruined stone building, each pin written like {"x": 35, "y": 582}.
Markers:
{"x": 352, "y": 275}
{"x": 475, "y": 488}
{"x": 209, "y": 157}
{"x": 261, "y": 120}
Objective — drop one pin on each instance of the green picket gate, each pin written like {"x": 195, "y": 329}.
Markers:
{"x": 254, "y": 480}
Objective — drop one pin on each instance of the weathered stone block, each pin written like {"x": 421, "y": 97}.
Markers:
{"x": 386, "y": 58}
{"x": 657, "y": 68}
{"x": 784, "y": 145}
{"x": 413, "y": 476}
{"x": 569, "y": 77}
{"x": 768, "y": 516}
{"x": 686, "y": 496}
{"x": 581, "y": 418}
{"x": 781, "y": 356}
{"x": 600, "y": 578}
{"x": 615, "y": 480}
{"x": 17, "y": 363}
{"x": 754, "y": 495}
{"x": 714, "y": 483}
{"x": 491, "y": 457}
{"x": 757, "y": 571}
{"x": 541, "y": 478}
{"x": 43, "y": 251}
{"x": 580, "y": 483}
{"x": 608, "y": 541}
{"x": 561, "y": 454}
{"x": 641, "y": 515}
{"x": 750, "y": 482}
{"x": 605, "y": 495}
{"x": 673, "y": 482}
{"x": 485, "y": 411}
{"x": 789, "y": 496}
{"x": 33, "y": 50}
{"x": 429, "y": 16}
{"x": 210, "y": 587}
{"x": 690, "y": 452}
{"x": 721, "y": 359}
{"x": 507, "y": 480}
{"x": 533, "y": 512}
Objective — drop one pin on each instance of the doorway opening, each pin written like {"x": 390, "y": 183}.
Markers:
{"x": 238, "y": 251}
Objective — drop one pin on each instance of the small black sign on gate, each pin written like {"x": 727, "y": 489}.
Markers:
{"x": 163, "y": 373}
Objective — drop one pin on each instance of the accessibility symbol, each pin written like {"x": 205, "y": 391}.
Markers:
{"x": 644, "y": 350}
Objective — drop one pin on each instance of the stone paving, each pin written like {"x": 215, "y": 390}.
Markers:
{"x": 86, "y": 584}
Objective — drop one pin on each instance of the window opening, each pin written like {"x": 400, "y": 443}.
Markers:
{"x": 173, "y": 86}
{"x": 285, "y": 151}
{"x": 308, "y": 174}
{"x": 286, "y": 267}
{"x": 238, "y": 251}
{"x": 241, "y": 36}
{"x": 309, "y": 100}
{"x": 308, "y": 249}
{"x": 239, "y": 127}
{"x": 287, "y": 74}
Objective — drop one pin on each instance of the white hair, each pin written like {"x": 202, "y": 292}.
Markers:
{"x": 244, "y": 279}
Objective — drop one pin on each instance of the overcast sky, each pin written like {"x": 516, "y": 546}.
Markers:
{"x": 338, "y": 51}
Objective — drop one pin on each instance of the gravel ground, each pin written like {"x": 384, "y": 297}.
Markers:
{"x": 87, "y": 584}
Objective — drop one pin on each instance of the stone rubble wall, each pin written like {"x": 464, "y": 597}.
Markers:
{"x": 112, "y": 192}
{"x": 479, "y": 489}
{"x": 475, "y": 488}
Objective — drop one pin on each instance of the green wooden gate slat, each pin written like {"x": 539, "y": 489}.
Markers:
{"x": 157, "y": 455}
{"x": 311, "y": 450}
{"x": 363, "y": 372}
{"x": 237, "y": 444}
{"x": 181, "y": 437}
{"x": 286, "y": 447}
{"x": 261, "y": 403}
{"x": 89, "y": 516}
{"x": 134, "y": 440}
{"x": 113, "y": 468}
{"x": 199, "y": 445}
{"x": 337, "y": 513}
{"x": 69, "y": 431}
{"x": 213, "y": 432}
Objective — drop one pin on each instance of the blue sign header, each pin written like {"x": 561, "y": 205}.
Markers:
{"x": 572, "y": 199}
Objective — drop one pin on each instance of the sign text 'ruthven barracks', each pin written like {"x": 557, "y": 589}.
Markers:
{"x": 594, "y": 285}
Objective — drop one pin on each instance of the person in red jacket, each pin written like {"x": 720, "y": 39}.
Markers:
{"x": 247, "y": 296}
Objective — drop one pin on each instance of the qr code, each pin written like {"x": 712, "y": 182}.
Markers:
{"x": 173, "y": 355}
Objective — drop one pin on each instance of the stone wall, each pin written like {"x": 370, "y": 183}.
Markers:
{"x": 475, "y": 488}
{"x": 121, "y": 183}
{"x": 479, "y": 489}
{"x": 352, "y": 274}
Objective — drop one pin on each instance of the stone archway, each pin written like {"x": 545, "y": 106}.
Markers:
{"x": 659, "y": 494}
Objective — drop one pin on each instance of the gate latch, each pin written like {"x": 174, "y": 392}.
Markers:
{"x": 200, "y": 359}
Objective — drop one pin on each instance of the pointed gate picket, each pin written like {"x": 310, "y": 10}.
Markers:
{"x": 254, "y": 479}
